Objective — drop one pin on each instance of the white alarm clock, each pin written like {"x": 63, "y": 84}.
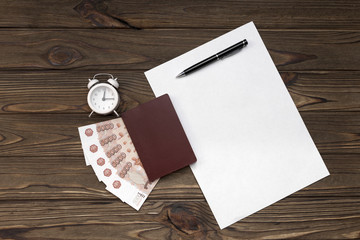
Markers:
{"x": 103, "y": 98}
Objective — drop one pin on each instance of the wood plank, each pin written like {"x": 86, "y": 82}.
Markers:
{"x": 67, "y": 177}
{"x": 292, "y": 14}
{"x": 309, "y": 218}
{"x": 106, "y": 49}
{"x": 65, "y": 92}
{"x": 324, "y": 91}
{"x": 56, "y": 134}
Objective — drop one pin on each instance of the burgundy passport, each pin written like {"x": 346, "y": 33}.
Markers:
{"x": 158, "y": 137}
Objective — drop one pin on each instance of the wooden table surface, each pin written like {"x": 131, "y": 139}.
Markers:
{"x": 48, "y": 50}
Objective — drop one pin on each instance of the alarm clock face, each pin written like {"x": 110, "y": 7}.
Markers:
{"x": 103, "y": 98}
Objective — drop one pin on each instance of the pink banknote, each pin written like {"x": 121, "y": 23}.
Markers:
{"x": 109, "y": 150}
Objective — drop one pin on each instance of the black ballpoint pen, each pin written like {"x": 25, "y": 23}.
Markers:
{"x": 214, "y": 58}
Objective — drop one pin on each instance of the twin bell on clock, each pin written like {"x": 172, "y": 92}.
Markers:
{"x": 103, "y": 97}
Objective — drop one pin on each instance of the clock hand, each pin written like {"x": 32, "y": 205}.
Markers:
{"x": 103, "y": 98}
{"x": 108, "y": 99}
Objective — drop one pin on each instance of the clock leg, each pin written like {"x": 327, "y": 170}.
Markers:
{"x": 91, "y": 113}
{"x": 116, "y": 113}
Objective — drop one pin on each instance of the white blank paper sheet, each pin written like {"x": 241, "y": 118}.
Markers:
{"x": 251, "y": 144}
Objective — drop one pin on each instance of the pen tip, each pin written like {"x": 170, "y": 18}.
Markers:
{"x": 180, "y": 75}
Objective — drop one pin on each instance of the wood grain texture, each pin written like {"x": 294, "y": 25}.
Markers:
{"x": 108, "y": 219}
{"x": 64, "y": 92}
{"x": 109, "y": 49}
{"x": 292, "y": 14}
{"x": 67, "y": 177}
{"x": 57, "y": 134}
{"x": 48, "y": 50}
{"x": 30, "y": 91}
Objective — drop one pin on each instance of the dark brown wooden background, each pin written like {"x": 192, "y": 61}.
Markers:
{"x": 48, "y": 50}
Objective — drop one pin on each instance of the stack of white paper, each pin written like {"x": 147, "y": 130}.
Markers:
{"x": 252, "y": 146}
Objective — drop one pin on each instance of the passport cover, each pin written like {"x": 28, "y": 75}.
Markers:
{"x": 158, "y": 137}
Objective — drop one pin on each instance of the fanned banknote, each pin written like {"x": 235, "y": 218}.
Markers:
{"x": 109, "y": 150}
